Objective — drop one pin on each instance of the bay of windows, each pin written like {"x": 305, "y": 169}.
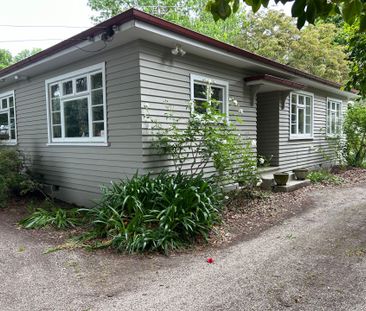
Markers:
{"x": 77, "y": 107}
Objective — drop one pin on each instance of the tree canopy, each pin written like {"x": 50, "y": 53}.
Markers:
{"x": 304, "y": 10}
{"x": 7, "y": 59}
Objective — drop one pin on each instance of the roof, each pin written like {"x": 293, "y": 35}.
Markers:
{"x": 275, "y": 80}
{"x": 137, "y": 15}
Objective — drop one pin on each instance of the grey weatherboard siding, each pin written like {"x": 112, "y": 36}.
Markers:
{"x": 142, "y": 74}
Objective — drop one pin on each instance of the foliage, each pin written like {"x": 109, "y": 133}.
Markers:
{"x": 14, "y": 176}
{"x": 205, "y": 138}
{"x": 303, "y": 10}
{"x": 5, "y": 58}
{"x": 324, "y": 176}
{"x": 274, "y": 35}
{"x": 158, "y": 213}
{"x": 25, "y": 54}
{"x": 263, "y": 161}
{"x": 50, "y": 215}
{"x": 354, "y": 128}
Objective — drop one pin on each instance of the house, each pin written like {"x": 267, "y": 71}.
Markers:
{"x": 78, "y": 108}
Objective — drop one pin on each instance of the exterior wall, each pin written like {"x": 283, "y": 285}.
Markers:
{"x": 165, "y": 85}
{"x": 79, "y": 171}
{"x": 305, "y": 153}
{"x": 267, "y": 128}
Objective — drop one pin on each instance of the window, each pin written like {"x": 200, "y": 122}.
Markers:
{"x": 334, "y": 116}
{"x": 301, "y": 116}
{"x": 204, "y": 90}
{"x": 8, "y": 131}
{"x": 77, "y": 110}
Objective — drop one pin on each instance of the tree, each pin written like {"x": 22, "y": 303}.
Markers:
{"x": 274, "y": 35}
{"x": 5, "y": 58}
{"x": 304, "y": 10}
{"x": 25, "y": 54}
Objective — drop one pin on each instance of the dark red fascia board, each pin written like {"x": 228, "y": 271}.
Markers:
{"x": 276, "y": 80}
{"x": 134, "y": 14}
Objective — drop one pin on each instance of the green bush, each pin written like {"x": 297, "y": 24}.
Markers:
{"x": 14, "y": 175}
{"x": 324, "y": 176}
{"x": 158, "y": 213}
{"x": 50, "y": 215}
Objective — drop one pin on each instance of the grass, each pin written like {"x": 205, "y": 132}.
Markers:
{"x": 325, "y": 177}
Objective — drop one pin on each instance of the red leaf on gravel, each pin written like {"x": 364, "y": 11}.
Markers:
{"x": 210, "y": 260}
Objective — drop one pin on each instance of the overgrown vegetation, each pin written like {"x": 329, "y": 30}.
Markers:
{"x": 207, "y": 138}
{"x": 15, "y": 178}
{"x": 323, "y": 176}
{"x": 355, "y": 130}
{"x": 48, "y": 214}
{"x": 158, "y": 213}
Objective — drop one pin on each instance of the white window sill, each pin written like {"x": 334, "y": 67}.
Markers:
{"x": 91, "y": 144}
{"x": 8, "y": 143}
{"x": 301, "y": 137}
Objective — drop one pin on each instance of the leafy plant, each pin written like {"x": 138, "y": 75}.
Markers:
{"x": 15, "y": 178}
{"x": 355, "y": 130}
{"x": 204, "y": 139}
{"x": 50, "y": 215}
{"x": 324, "y": 176}
{"x": 159, "y": 213}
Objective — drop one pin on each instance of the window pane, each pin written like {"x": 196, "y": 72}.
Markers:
{"x": 98, "y": 129}
{"x": 200, "y": 106}
{"x": 293, "y": 109}
{"x": 200, "y": 91}
{"x": 55, "y": 91}
{"x": 57, "y": 131}
{"x": 301, "y": 121}
{"x": 301, "y": 100}
{"x": 56, "y": 118}
{"x": 4, "y": 103}
{"x": 67, "y": 88}
{"x": 12, "y": 133}
{"x": 11, "y": 101}
{"x": 11, "y": 111}
{"x": 56, "y": 104}
{"x": 4, "y": 126}
{"x": 98, "y": 114}
{"x": 76, "y": 118}
{"x": 81, "y": 85}
{"x": 97, "y": 81}
{"x": 293, "y": 129}
{"x": 294, "y": 99}
{"x": 333, "y": 106}
{"x": 217, "y": 93}
{"x": 97, "y": 97}
{"x": 333, "y": 130}
{"x": 218, "y": 106}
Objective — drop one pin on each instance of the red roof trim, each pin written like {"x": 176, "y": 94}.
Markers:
{"x": 134, "y": 14}
{"x": 276, "y": 80}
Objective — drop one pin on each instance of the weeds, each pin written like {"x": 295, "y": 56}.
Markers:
{"x": 324, "y": 176}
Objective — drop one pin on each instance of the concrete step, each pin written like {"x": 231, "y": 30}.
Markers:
{"x": 292, "y": 185}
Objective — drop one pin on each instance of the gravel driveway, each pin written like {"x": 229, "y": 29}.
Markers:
{"x": 313, "y": 261}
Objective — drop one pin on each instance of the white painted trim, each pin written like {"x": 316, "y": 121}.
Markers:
{"x": 215, "y": 82}
{"x": 72, "y": 75}
{"x": 326, "y": 116}
{"x": 302, "y": 136}
{"x": 79, "y": 144}
{"x": 10, "y": 142}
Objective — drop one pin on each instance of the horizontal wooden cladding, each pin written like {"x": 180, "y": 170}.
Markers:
{"x": 85, "y": 168}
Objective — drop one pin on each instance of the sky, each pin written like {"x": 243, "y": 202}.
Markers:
{"x": 72, "y": 13}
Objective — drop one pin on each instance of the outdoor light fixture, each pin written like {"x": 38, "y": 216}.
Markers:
{"x": 178, "y": 50}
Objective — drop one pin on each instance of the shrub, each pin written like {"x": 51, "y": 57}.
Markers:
{"x": 50, "y": 215}
{"x": 156, "y": 213}
{"x": 14, "y": 175}
{"x": 324, "y": 176}
{"x": 207, "y": 138}
{"x": 355, "y": 130}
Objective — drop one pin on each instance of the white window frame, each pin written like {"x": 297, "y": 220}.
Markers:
{"x": 74, "y": 75}
{"x": 340, "y": 102}
{"x": 213, "y": 82}
{"x": 305, "y": 136}
{"x": 7, "y": 110}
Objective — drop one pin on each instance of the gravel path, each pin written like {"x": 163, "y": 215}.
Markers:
{"x": 313, "y": 261}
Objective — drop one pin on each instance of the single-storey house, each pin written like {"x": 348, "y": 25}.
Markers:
{"x": 78, "y": 109}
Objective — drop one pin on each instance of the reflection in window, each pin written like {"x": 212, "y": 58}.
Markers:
{"x": 7, "y": 119}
